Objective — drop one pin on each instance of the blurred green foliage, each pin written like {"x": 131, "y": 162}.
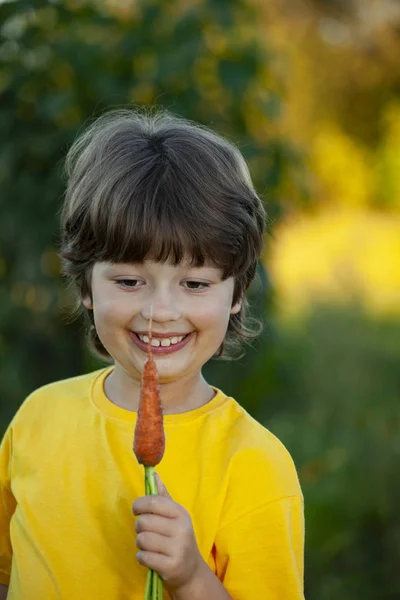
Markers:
{"x": 336, "y": 407}
{"x": 329, "y": 388}
{"x": 61, "y": 64}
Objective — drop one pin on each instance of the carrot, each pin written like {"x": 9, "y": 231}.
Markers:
{"x": 149, "y": 445}
{"x": 149, "y": 440}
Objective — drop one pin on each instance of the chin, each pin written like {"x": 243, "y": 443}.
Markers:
{"x": 166, "y": 375}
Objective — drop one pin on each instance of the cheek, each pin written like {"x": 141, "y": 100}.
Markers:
{"x": 213, "y": 314}
{"x": 108, "y": 311}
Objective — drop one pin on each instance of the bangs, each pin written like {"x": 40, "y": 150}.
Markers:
{"x": 167, "y": 219}
{"x": 154, "y": 186}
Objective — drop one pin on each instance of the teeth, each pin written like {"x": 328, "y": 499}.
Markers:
{"x": 165, "y": 342}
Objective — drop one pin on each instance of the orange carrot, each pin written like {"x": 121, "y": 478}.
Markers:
{"x": 149, "y": 440}
{"x": 149, "y": 446}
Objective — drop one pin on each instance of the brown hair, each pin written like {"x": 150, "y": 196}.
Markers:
{"x": 145, "y": 184}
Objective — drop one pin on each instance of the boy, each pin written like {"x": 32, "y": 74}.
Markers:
{"x": 160, "y": 215}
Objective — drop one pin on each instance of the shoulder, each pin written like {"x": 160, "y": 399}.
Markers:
{"x": 56, "y": 396}
{"x": 264, "y": 454}
{"x": 251, "y": 443}
{"x": 261, "y": 469}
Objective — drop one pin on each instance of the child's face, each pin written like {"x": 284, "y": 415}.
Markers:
{"x": 185, "y": 301}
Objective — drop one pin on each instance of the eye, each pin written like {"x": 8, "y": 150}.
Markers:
{"x": 129, "y": 283}
{"x": 196, "y": 286}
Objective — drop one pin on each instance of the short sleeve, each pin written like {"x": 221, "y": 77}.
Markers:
{"x": 7, "y": 507}
{"x": 261, "y": 554}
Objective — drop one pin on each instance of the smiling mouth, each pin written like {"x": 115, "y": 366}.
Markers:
{"x": 165, "y": 342}
{"x": 164, "y": 345}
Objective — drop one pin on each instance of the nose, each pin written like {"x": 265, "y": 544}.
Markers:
{"x": 162, "y": 307}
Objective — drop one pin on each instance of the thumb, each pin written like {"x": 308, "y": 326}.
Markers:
{"x": 162, "y": 490}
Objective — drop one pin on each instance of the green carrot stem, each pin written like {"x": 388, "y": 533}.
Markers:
{"x": 159, "y": 587}
{"x": 149, "y": 581}
{"x": 149, "y": 474}
{"x": 154, "y": 588}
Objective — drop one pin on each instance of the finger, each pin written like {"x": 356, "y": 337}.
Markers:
{"x": 159, "y": 505}
{"x": 150, "y": 522}
{"x": 149, "y": 541}
{"x": 153, "y": 560}
{"x": 162, "y": 490}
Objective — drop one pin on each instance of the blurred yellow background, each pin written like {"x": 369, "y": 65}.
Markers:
{"x": 342, "y": 109}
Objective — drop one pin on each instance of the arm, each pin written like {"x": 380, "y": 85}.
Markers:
{"x": 3, "y": 592}
{"x": 205, "y": 586}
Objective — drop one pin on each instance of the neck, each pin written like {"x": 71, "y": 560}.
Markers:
{"x": 183, "y": 395}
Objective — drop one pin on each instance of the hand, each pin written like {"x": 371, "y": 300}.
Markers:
{"x": 166, "y": 539}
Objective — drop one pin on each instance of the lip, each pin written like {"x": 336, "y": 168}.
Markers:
{"x": 155, "y": 334}
{"x": 159, "y": 350}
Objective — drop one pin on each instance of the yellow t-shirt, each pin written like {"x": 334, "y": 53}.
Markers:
{"x": 68, "y": 478}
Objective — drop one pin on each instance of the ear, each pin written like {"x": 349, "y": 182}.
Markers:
{"x": 87, "y": 302}
{"x": 236, "y": 307}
